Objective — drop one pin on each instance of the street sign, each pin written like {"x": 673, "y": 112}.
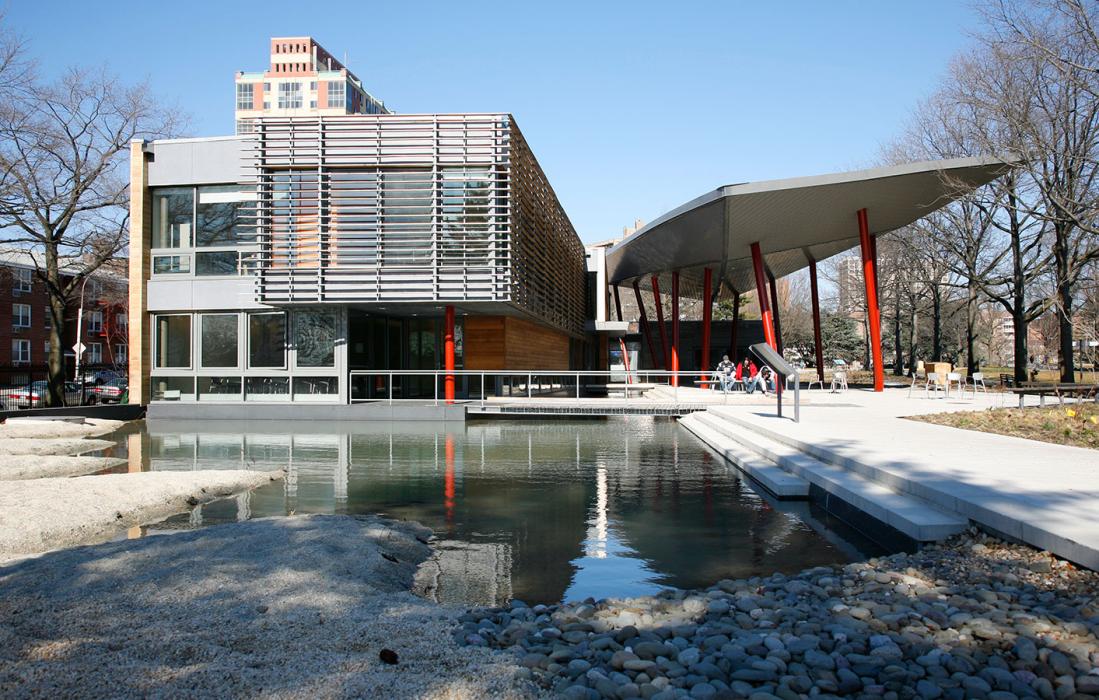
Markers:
{"x": 79, "y": 348}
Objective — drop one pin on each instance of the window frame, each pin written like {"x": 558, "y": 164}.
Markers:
{"x": 95, "y": 321}
{"x": 95, "y": 353}
{"x": 246, "y": 95}
{"x": 290, "y": 94}
{"x": 156, "y": 344}
{"x": 23, "y": 281}
{"x": 17, "y": 316}
{"x": 202, "y": 366}
{"x": 20, "y": 343}
{"x": 285, "y": 341}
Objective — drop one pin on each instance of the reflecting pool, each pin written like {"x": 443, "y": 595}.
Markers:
{"x": 536, "y": 510}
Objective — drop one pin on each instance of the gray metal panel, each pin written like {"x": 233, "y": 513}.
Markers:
{"x": 196, "y": 161}
{"x": 201, "y": 295}
{"x": 787, "y": 218}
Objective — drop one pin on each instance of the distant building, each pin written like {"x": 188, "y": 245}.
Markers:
{"x": 25, "y": 304}
{"x": 851, "y": 290}
{"x": 303, "y": 80}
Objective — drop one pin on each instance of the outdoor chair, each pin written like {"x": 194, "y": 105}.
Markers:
{"x": 814, "y": 378}
{"x": 978, "y": 379}
{"x": 955, "y": 378}
{"x": 915, "y": 378}
{"x": 839, "y": 381}
{"x": 932, "y": 384}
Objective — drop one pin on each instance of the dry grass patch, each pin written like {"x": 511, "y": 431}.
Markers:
{"x": 1075, "y": 424}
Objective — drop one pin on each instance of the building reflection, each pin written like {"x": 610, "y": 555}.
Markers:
{"x": 535, "y": 510}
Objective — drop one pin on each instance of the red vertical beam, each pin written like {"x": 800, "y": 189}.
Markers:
{"x": 675, "y": 327}
{"x": 660, "y": 321}
{"x": 617, "y": 302}
{"x": 643, "y": 321}
{"x": 761, "y": 293}
{"x": 774, "y": 312}
{"x": 448, "y": 354}
{"x": 736, "y": 322}
{"x": 707, "y": 317}
{"x": 816, "y": 320}
{"x": 448, "y": 480}
{"x": 870, "y": 279}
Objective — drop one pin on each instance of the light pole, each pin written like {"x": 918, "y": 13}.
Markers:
{"x": 78, "y": 348}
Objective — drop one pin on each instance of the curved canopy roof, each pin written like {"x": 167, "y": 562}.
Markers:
{"x": 794, "y": 221}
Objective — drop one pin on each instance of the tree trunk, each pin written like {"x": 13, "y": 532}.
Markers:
{"x": 971, "y": 308}
{"x": 1064, "y": 303}
{"x": 1018, "y": 286}
{"x": 898, "y": 351}
{"x": 913, "y": 338}
{"x": 56, "y": 382}
{"x": 936, "y": 324}
{"x": 1019, "y": 324}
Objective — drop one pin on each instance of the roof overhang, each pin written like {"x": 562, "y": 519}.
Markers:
{"x": 794, "y": 221}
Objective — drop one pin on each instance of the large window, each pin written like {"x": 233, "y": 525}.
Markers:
{"x": 222, "y": 216}
{"x": 20, "y": 351}
{"x": 294, "y": 219}
{"x": 95, "y": 322}
{"x": 95, "y": 353}
{"x": 21, "y": 280}
{"x": 219, "y": 340}
{"x": 221, "y": 263}
{"x": 290, "y": 95}
{"x": 173, "y": 216}
{"x": 267, "y": 340}
{"x": 20, "y": 315}
{"x": 245, "y": 95}
{"x": 173, "y": 341}
{"x": 171, "y": 264}
{"x": 337, "y": 93}
{"x": 315, "y": 338}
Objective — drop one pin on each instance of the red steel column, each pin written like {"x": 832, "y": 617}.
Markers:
{"x": 761, "y": 293}
{"x": 870, "y": 280}
{"x": 643, "y": 321}
{"x": 660, "y": 321}
{"x": 448, "y": 354}
{"x": 617, "y": 303}
{"x": 675, "y": 327}
{"x": 736, "y": 322}
{"x": 707, "y": 317}
{"x": 816, "y": 320}
{"x": 775, "y": 313}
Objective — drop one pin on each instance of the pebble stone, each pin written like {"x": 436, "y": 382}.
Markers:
{"x": 973, "y": 617}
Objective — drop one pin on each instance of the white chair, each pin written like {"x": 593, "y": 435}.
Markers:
{"x": 932, "y": 384}
{"x": 814, "y": 378}
{"x": 839, "y": 381}
{"x": 978, "y": 379}
{"x": 915, "y": 378}
{"x": 953, "y": 378}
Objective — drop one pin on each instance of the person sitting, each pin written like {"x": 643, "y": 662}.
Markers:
{"x": 762, "y": 379}
{"x": 750, "y": 373}
{"x": 738, "y": 376}
{"x": 725, "y": 372}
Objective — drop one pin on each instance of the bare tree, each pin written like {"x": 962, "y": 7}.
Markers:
{"x": 64, "y": 181}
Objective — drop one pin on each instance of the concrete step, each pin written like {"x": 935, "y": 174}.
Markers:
{"x": 890, "y": 478}
{"x": 912, "y": 516}
{"x": 772, "y": 477}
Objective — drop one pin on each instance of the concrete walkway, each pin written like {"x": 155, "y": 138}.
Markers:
{"x": 1043, "y": 494}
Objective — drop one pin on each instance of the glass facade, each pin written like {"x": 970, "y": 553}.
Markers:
{"x": 173, "y": 341}
{"x": 267, "y": 340}
{"x": 219, "y": 340}
{"x": 315, "y": 338}
{"x": 173, "y": 217}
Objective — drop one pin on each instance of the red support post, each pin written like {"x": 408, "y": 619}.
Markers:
{"x": 675, "y": 327}
{"x": 643, "y": 321}
{"x": 448, "y": 354}
{"x": 736, "y": 322}
{"x": 660, "y": 321}
{"x": 870, "y": 280}
{"x": 761, "y": 293}
{"x": 707, "y": 317}
{"x": 617, "y": 303}
{"x": 816, "y": 320}
{"x": 774, "y": 312}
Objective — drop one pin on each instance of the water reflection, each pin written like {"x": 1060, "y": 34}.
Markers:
{"x": 535, "y": 510}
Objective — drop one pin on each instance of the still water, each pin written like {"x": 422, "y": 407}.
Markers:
{"x": 537, "y": 510}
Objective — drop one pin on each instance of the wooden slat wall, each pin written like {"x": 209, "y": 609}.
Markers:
{"x": 504, "y": 342}
{"x": 532, "y": 346}
{"x": 483, "y": 342}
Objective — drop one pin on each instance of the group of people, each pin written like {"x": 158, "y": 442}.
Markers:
{"x": 746, "y": 374}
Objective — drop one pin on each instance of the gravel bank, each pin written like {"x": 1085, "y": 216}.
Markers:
{"x": 36, "y": 428}
{"x": 974, "y": 618}
{"x": 51, "y": 446}
{"x": 278, "y": 607}
{"x": 17, "y": 467}
{"x": 44, "y": 514}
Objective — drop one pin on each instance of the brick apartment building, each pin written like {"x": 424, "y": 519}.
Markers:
{"x": 25, "y": 319}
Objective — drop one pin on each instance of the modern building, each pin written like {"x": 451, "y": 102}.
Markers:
{"x": 304, "y": 79}
{"x": 314, "y": 259}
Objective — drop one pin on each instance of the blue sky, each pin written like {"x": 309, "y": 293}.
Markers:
{"x": 632, "y": 108}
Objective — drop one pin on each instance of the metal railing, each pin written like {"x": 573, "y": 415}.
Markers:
{"x": 480, "y": 386}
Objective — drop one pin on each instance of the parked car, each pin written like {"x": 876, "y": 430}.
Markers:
{"x": 95, "y": 377}
{"x": 110, "y": 392}
{"x": 34, "y": 395}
